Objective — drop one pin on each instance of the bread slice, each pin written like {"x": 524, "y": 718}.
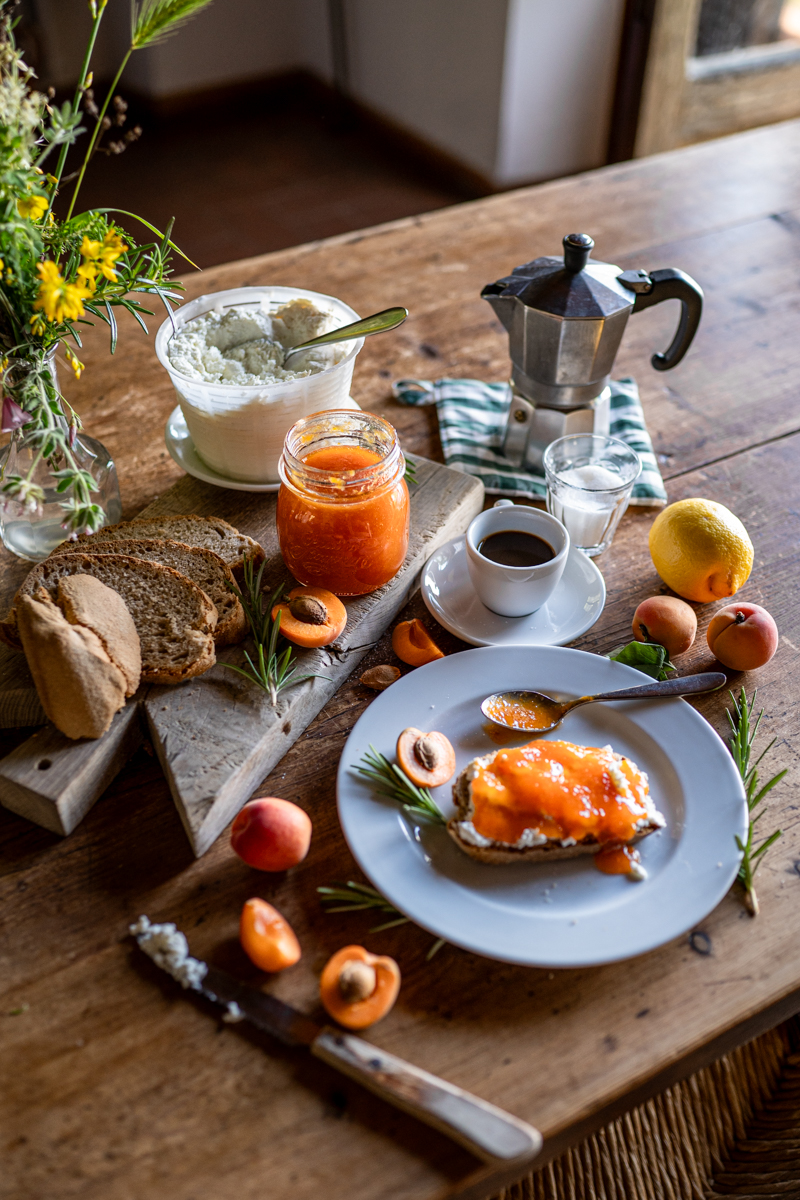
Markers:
{"x": 203, "y": 567}
{"x": 504, "y": 852}
{"x": 212, "y": 533}
{"x": 173, "y": 617}
{"x": 86, "y": 601}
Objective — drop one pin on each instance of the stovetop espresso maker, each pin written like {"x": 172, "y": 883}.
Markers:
{"x": 565, "y": 319}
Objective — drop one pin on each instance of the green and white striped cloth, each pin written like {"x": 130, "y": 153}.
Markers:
{"x": 472, "y": 421}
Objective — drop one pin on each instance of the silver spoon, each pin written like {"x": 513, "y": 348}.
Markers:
{"x": 547, "y": 713}
{"x": 380, "y": 322}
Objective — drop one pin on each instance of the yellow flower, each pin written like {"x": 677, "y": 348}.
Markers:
{"x": 2, "y": 266}
{"x": 33, "y": 207}
{"x": 102, "y": 255}
{"x": 90, "y": 249}
{"x": 60, "y": 301}
{"x": 74, "y": 362}
{"x": 87, "y": 276}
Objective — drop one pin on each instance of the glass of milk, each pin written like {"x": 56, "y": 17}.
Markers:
{"x": 589, "y": 482}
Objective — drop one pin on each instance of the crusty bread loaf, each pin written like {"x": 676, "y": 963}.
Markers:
{"x": 84, "y": 660}
{"x": 173, "y": 617}
{"x": 503, "y": 852}
{"x": 212, "y": 533}
{"x": 203, "y": 567}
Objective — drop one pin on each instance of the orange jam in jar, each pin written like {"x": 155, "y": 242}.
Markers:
{"x": 343, "y": 503}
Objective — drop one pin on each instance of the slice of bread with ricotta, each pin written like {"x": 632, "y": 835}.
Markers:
{"x": 174, "y": 618}
{"x": 212, "y": 533}
{"x": 536, "y": 842}
{"x": 83, "y": 652}
{"x": 203, "y": 567}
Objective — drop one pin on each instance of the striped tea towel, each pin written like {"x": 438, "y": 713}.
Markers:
{"x": 472, "y": 422}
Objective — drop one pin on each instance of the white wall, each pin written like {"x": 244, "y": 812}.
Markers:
{"x": 558, "y": 87}
{"x": 434, "y": 67}
{"x": 519, "y": 90}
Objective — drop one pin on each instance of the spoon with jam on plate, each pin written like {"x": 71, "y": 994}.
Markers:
{"x": 534, "y": 712}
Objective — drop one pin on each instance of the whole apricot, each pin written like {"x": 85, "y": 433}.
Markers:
{"x": 267, "y": 938}
{"x": 271, "y": 834}
{"x": 742, "y": 636}
{"x": 666, "y": 620}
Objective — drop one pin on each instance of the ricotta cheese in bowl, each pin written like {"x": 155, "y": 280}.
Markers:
{"x": 225, "y": 356}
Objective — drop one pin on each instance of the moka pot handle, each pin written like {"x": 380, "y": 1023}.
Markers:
{"x": 668, "y": 284}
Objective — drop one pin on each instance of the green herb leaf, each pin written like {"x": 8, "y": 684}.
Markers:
{"x": 353, "y": 897}
{"x": 388, "y": 780}
{"x": 743, "y": 733}
{"x": 648, "y": 657}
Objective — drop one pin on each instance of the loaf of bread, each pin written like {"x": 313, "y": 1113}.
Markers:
{"x": 83, "y": 653}
{"x": 203, "y": 567}
{"x": 212, "y": 533}
{"x": 174, "y": 619}
{"x": 533, "y": 846}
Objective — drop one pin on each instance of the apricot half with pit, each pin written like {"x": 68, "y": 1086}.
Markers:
{"x": 358, "y": 988}
{"x": 427, "y": 759}
{"x": 311, "y": 617}
{"x": 742, "y": 636}
{"x": 666, "y": 620}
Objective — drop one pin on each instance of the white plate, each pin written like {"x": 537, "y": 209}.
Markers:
{"x": 182, "y": 450}
{"x": 563, "y": 914}
{"x": 451, "y": 599}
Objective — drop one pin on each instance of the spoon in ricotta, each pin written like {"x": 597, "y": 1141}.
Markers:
{"x": 388, "y": 318}
{"x": 534, "y": 712}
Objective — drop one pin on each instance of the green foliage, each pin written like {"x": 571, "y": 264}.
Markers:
{"x": 273, "y": 671}
{"x": 388, "y": 780}
{"x": 353, "y": 897}
{"x": 743, "y": 734}
{"x": 58, "y": 275}
{"x": 647, "y": 657}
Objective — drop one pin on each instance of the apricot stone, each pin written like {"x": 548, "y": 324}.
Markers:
{"x": 666, "y": 620}
{"x": 271, "y": 834}
{"x": 742, "y": 636}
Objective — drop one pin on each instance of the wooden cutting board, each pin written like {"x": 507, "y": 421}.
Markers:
{"x": 217, "y": 736}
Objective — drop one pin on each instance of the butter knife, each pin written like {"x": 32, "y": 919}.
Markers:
{"x": 488, "y": 1132}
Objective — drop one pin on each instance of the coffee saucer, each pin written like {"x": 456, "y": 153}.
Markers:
{"x": 181, "y": 447}
{"x": 449, "y": 596}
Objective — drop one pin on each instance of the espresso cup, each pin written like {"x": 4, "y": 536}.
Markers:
{"x": 515, "y": 591}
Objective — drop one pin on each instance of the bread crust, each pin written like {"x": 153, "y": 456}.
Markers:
{"x": 550, "y": 851}
{"x": 86, "y": 601}
{"x": 79, "y": 686}
{"x": 194, "y": 643}
{"x": 231, "y": 624}
{"x": 158, "y": 527}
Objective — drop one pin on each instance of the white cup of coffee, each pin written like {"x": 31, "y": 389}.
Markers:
{"x": 516, "y": 556}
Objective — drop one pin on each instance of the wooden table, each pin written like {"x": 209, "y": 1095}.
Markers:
{"x": 114, "y": 1085}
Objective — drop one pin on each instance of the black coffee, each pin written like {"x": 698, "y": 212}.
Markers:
{"x": 513, "y": 548}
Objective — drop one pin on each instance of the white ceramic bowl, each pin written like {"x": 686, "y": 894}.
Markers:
{"x": 515, "y": 591}
{"x": 239, "y": 431}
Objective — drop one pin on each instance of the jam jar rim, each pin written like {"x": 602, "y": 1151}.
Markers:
{"x": 324, "y": 484}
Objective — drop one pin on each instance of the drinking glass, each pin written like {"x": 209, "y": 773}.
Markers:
{"x": 589, "y": 482}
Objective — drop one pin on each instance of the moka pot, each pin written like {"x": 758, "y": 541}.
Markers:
{"x": 565, "y": 320}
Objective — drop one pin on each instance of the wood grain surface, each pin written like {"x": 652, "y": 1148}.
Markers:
{"x": 216, "y": 736}
{"x": 118, "y": 1087}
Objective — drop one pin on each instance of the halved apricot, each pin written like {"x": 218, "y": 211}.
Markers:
{"x": 428, "y": 759}
{"x": 413, "y": 644}
{"x": 311, "y": 617}
{"x": 267, "y": 938}
{"x": 358, "y": 988}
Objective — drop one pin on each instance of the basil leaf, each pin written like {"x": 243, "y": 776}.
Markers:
{"x": 648, "y": 657}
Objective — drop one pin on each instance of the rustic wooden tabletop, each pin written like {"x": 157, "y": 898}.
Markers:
{"x": 116, "y": 1086}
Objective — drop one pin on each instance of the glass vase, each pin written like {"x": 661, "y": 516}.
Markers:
{"x": 32, "y": 535}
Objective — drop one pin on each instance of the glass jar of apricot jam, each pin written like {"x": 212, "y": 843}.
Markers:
{"x": 343, "y": 502}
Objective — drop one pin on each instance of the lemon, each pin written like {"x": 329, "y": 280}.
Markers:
{"x": 701, "y": 550}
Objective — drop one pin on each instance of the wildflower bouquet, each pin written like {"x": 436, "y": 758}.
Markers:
{"x": 56, "y": 275}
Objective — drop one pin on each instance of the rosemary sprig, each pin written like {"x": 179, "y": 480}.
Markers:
{"x": 272, "y": 672}
{"x": 411, "y": 470}
{"x": 744, "y": 731}
{"x": 353, "y": 897}
{"x": 388, "y": 780}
